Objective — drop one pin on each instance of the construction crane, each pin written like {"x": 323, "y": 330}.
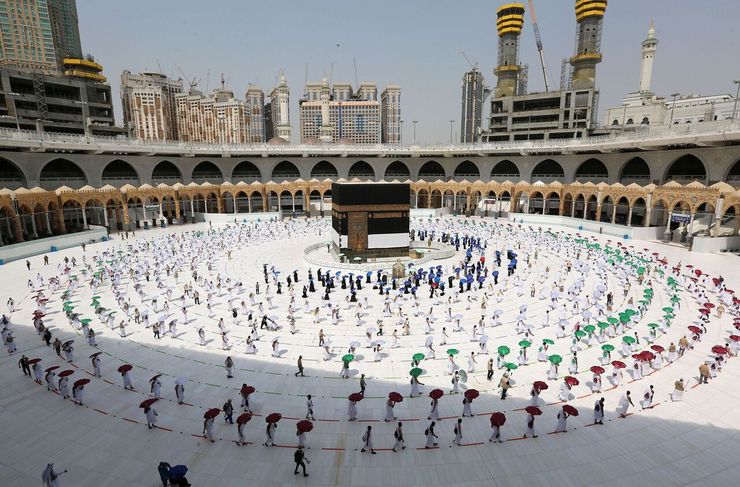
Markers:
{"x": 192, "y": 82}
{"x": 474, "y": 67}
{"x": 540, "y": 49}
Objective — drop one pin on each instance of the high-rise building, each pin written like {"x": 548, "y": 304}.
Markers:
{"x": 255, "y": 103}
{"x": 149, "y": 108}
{"x": 473, "y": 94}
{"x": 65, "y": 29}
{"x": 217, "y": 119}
{"x": 339, "y": 114}
{"x": 269, "y": 134}
{"x": 390, "y": 114}
{"x": 590, "y": 17}
{"x": 26, "y": 37}
{"x": 509, "y": 25}
{"x": 280, "y": 110}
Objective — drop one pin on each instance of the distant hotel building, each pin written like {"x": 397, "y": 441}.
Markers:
{"x": 216, "y": 119}
{"x": 149, "y": 109}
{"x": 337, "y": 114}
{"x": 473, "y": 94}
{"x": 278, "y": 112}
{"x": 390, "y": 114}
{"x": 255, "y": 104}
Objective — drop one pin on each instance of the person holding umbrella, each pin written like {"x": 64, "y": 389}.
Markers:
{"x": 49, "y": 377}
{"x": 367, "y": 440}
{"x": 245, "y": 391}
{"x": 155, "y": 386}
{"x": 37, "y": 374}
{"x": 64, "y": 385}
{"x": 398, "y": 435}
{"x": 389, "y": 412}
{"x": 532, "y": 411}
{"x": 497, "y": 420}
{"x": 352, "y": 410}
{"x": 208, "y": 426}
{"x": 125, "y": 371}
{"x": 415, "y": 383}
{"x": 151, "y": 415}
{"x": 77, "y": 390}
{"x": 562, "y": 417}
{"x": 68, "y": 351}
{"x": 270, "y": 433}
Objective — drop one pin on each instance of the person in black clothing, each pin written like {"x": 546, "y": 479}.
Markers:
{"x": 300, "y": 461}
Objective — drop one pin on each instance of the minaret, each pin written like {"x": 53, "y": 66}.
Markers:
{"x": 326, "y": 131}
{"x": 509, "y": 24}
{"x": 590, "y": 17}
{"x": 283, "y": 95}
{"x": 649, "y": 46}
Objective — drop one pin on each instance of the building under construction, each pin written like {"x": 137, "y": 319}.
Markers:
{"x": 568, "y": 112}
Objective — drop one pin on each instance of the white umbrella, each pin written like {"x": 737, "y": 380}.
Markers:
{"x": 371, "y": 330}
{"x": 378, "y": 342}
{"x": 483, "y": 339}
{"x": 429, "y": 340}
{"x": 354, "y": 344}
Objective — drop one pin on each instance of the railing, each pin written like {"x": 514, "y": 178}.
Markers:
{"x": 728, "y": 129}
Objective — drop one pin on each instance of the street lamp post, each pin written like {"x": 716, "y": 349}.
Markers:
{"x": 414, "y": 122}
{"x": 673, "y": 107}
{"x": 737, "y": 94}
{"x": 451, "y": 122}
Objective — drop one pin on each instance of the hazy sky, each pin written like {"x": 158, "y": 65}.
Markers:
{"x": 414, "y": 43}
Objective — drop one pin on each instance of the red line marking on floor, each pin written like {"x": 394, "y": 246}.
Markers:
{"x": 520, "y": 409}
{"x": 410, "y": 419}
{"x": 430, "y": 448}
{"x": 696, "y": 385}
{"x": 131, "y": 420}
{"x": 517, "y": 439}
{"x": 88, "y": 373}
{"x": 328, "y": 420}
{"x": 289, "y": 417}
{"x": 623, "y": 417}
{"x": 285, "y": 446}
{"x": 653, "y": 406}
{"x": 107, "y": 381}
{"x": 245, "y": 443}
{"x": 197, "y": 436}
{"x": 585, "y": 395}
{"x": 333, "y": 449}
{"x": 587, "y": 425}
{"x": 472, "y": 444}
{"x": 556, "y": 432}
{"x": 100, "y": 411}
{"x": 368, "y": 420}
{"x": 163, "y": 428}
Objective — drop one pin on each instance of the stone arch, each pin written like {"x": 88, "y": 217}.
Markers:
{"x": 73, "y": 219}
{"x": 11, "y": 176}
{"x": 591, "y": 207}
{"x": 733, "y": 175}
{"x": 431, "y": 171}
{"x": 207, "y": 172}
{"x": 8, "y": 230}
{"x": 423, "y": 198}
{"x": 535, "y": 203}
{"x": 504, "y": 170}
{"x": 607, "y": 209}
{"x": 285, "y": 170}
{"x": 568, "y": 205}
{"x": 467, "y": 170}
{"x": 361, "y": 170}
{"x": 256, "y": 201}
{"x": 636, "y": 170}
{"x": 62, "y": 172}
{"x": 118, "y": 172}
{"x": 552, "y": 203}
{"x": 323, "y": 170}
{"x": 686, "y": 169}
{"x": 397, "y": 170}
{"x": 548, "y": 171}
{"x": 246, "y": 171}
{"x": 166, "y": 172}
{"x": 592, "y": 170}
{"x": 639, "y": 212}
{"x": 436, "y": 199}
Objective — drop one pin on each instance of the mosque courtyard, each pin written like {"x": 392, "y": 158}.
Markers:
{"x": 602, "y": 314}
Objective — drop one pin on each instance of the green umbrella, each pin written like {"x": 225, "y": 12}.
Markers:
{"x": 675, "y": 299}
{"x": 580, "y": 333}
{"x": 603, "y": 325}
{"x": 415, "y": 372}
{"x": 589, "y": 328}
{"x": 668, "y": 309}
{"x": 630, "y": 312}
{"x": 555, "y": 359}
{"x": 503, "y": 350}
{"x": 607, "y": 348}
{"x": 511, "y": 366}
{"x": 417, "y": 357}
{"x": 453, "y": 351}
{"x": 644, "y": 302}
{"x": 628, "y": 340}
{"x": 348, "y": 358}
{"x": 612, "y": 320}
{"x": 624, "y": 317}
{"x": 87, "y": 321}
{"x": 525, "y": 344}
{"x": 653, "y": 325}
{"x": 547, "y": 341}
{"x": 641, "y": 270}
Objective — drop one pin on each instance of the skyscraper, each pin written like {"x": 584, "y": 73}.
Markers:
{"x": 280, "y": 110}
{"x": 217, "y": 119}
{"x": 390, "y": 114}
{"x": 149, "y": 108}
{"x": 255, "y": 105}
{"x": 65, "y": 29}
{"x": 26, "y": 37}
{"x": 473, "y": 93}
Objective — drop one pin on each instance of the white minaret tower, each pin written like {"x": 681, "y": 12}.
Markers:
{"x": 283, "y": 128}
{"x": 325, "y": 132}
{"x": 649, "y": 46}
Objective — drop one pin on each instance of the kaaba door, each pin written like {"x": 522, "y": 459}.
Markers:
{"x": 357, "y": 231}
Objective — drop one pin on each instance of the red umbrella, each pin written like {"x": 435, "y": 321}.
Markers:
{"x": 471, "y": 394}
{"x": 694, "y": 329}
{"x": 304, "y": 426}
{"x": 148, "y": 402}
{"x": 637, "y": 356}
{"x": 735, "y": 338}
{"x": 570, "y": 410}
{"x": 125, "y": 368}
{"x": 709, "y": 305}
{"x": 618, "y": 365}
{"x": 540, "y": 385}
{"x": 498, "y": 419}
{"x": 658, "y": 348}
{"x": 273, "y": 418}
{"x": 697, "y": 272}
{"x": 597, "y": 370}
{"x": 571, "y": 381}
{"x": 689, "y": 266}
{"x": 436, "y": 393}
{"x": 533, "y": 410}
{"x": 81, "y": 382}
{"x": 718, "y": 349}
{"x": 355, "y": 396}
{"x": 647, "y": 356}
{"x": 95, "y": 354}
{"x": 66, "y": 373}
{"x": 211, "y": 413}
{"x": 246, "y": 390}
{"x": 395, "y": 397}
{"x": 243, "y": 418}
{"x": 704, "y": 311}
{"x": 34, "y": 361}
{"x": 53, "y": 367}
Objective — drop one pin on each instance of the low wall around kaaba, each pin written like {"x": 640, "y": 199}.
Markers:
{"x": 370, "y": 219}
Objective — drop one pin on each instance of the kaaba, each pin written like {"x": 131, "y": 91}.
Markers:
{"x": 370, "y": 219}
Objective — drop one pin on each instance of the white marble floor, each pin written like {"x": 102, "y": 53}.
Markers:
{"x": 106, "y": 441}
